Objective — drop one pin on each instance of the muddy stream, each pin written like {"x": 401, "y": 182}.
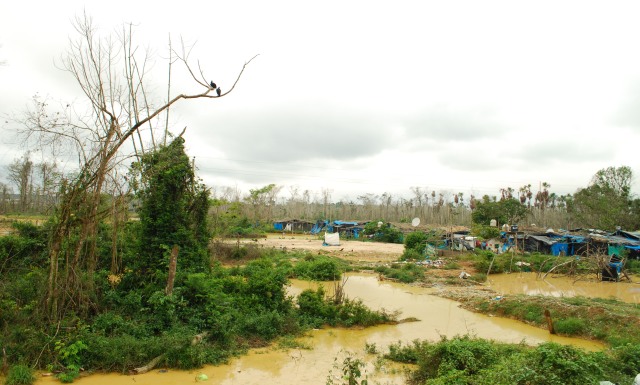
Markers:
{"x": 437, "y": 316}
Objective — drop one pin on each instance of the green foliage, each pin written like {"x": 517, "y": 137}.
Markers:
{"x": 370, "y": 348}
{"x": 562, "y": 364}
{"x": 69, "y": 356}
{"x": 228, "y": 220}
{"x": 318, "y": 268}
{"x": 24, "y": 250}
{"x": 570, "y": 326}
{"x": 20, "y": 375}
{"x": 316, "y": 311}
{"x": 470, "y": 360}
{"x": 173, "y": 211}
{"x": 485, "y": 231}
{"x": 407, "y": 354}
{"x": 504, "y": 211}
{"x": 411, "y": 255}
{"x": 633, "y": 266}
{"x": 416, "y": 241}
{"x": 385, "y": 233}
{"x": 607, "y": 202}
{"x": 351, "y": 371}
{"x": 405, "y": 273}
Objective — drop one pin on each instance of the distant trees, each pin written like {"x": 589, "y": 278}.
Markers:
{"x": 37, "y": 184}
{"x": 607, "y": 202}
{"x": 506, "y": 210}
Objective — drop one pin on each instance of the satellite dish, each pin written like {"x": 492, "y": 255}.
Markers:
{"x": 415, "y": 222}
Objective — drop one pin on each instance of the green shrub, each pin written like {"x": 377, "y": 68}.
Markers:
{"x": 460, "y": 356}
{"x": 570, "y": 326}
{"x": 407, "y": 354}
{"x": 385, "y": 233}
{"x": 20, "y": 375}
{"x": 406, "y": 273}
{"x": 415, "y": 241}
{"x": 557, "y": 364}
{"x": 316, "y": 310}
{"x": 317, "y": 268}
{"x": 411, "y": 255}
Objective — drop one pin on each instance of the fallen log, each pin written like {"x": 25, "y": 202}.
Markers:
{"x": 153, "y": 363}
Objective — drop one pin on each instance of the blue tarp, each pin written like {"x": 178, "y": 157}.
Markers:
{"x": 278, "y": 226}
{"x": 318, "y": 227}
{"x": 559, "y": 247}
{"x": 340, "y": 223}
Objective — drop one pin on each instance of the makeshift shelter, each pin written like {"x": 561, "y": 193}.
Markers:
{"x": 293, "y": 225}
{"x": 628, "y": 241}
{"x": 463, "y": 242}
{"x": 538, "y": 243}
{"x": 319, "y": 226}
{"x": 348, "y": 228}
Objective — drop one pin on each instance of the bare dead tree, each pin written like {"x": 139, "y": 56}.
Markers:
{"x": 113, "y": 76}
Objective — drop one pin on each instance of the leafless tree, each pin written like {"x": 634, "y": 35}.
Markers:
{"x": 120, "y": 120}
{"x": 20, "y": 172}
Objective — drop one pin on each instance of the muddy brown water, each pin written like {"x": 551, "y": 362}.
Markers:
{"x": 437, "y": 317}
{"x": 563, "y": 286}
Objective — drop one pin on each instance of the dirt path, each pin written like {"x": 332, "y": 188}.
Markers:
{"x": 352, "y": 250}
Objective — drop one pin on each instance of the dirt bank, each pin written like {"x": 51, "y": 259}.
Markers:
{"x": 351, "y": 250}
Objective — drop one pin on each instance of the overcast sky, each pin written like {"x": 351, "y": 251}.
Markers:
{"x": 371, "y": 97}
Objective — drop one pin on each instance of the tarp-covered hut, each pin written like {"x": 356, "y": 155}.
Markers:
{"x": 293, "y": 225}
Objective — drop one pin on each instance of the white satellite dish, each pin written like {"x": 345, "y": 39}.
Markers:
{"x": 415, "y": 222}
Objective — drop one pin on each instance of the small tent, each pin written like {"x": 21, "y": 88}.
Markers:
{"x": 332, "y": 239}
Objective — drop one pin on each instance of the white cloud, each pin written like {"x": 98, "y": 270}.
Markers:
{"x": 374, "y": 96}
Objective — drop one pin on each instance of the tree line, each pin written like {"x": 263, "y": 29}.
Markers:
{"x": 606, "y": 203}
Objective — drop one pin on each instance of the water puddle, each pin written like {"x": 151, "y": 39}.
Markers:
{"x": 438, "y": 317}
{"x": 561, "y": 286}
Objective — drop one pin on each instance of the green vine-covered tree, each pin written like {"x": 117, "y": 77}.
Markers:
{"x": 173, "y": 211}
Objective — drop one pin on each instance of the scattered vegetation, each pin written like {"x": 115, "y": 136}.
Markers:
{"x": 20, "y": 375}
{"x": 607, "y": 320}
{"x": 405, "y": 273}
{"x": 349, "y": 372}
{"x": 383, "y": 233}
{"x": 470, "y": 360}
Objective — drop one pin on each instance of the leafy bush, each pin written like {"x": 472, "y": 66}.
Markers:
{"x": 469, "y": 360}
{"x": 407, "y": 354}
{"x": 316, "y": 310}
{"x": 485, "y": 232}
{"x": 415, "y": 241}
{"x": 406, "y": 273}
{"x": 461, "y": 356}
{"x": 411, "y": 255}
{"x": 317, "y": 268}
{"x": 20, "y": 375}
{"x": 570, "y": 326}
{"x": 564, "y": 365}
{"x": 633, "y": 266}
{"x": 385, "y": 233}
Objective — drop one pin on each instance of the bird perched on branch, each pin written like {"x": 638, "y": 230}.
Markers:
{"x": 218, "y": 91}
{"x": 213, "y": 85}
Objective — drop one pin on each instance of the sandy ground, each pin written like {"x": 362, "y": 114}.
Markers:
{"x": 353, "y": 250}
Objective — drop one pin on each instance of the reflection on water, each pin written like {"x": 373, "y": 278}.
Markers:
{"x": 559, "y": 286}
{"x": 438, "y": 317}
